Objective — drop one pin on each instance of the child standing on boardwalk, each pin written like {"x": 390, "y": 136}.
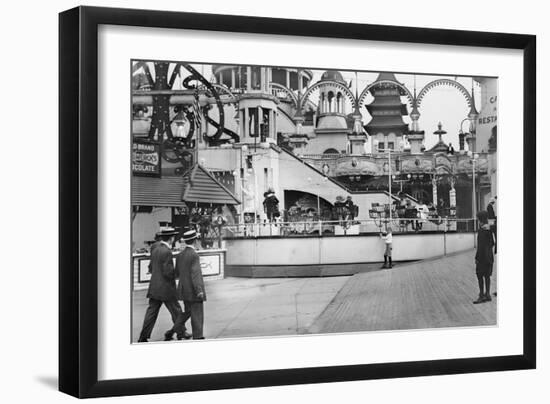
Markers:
{"x": 387, "y": 237}
{"x": 484, "y": 257}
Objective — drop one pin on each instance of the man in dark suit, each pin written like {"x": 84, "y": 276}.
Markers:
{"x": 450, "y": 149}
{"x": 191, "y": 286}
{"x": 484, "y": 258}
{"x": 162, "y": 286}
{"x": 493, "y": 219}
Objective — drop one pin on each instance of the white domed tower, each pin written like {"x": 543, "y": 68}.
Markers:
{"x": 257, "y": 106}
{"x": 331, "y": 128}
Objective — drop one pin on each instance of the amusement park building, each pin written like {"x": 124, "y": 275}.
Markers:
{"x": 254, "y": 128}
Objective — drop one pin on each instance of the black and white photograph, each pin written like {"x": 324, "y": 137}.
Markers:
{"x": 272, "y": 201}
{"x": 275, "y": 202}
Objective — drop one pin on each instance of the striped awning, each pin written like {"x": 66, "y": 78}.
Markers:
{"x": 197, "y": 186}
{"x": 203, "y": 187}
{"x": 165, "y": 191}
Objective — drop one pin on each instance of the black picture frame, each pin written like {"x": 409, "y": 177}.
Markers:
{"x": 78, "y": 196}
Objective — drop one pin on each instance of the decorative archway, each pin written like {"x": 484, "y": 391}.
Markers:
{"x": 444, "y": 82}
{"x": 276, "y": 87}
{"x": 333, "y": 85}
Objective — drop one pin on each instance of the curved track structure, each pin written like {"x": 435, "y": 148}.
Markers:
{"x": 211, "y": 89}
{"x": 275, "y": 88}
{"x": 345, "y": 90}
{"x": 444, "y": 82}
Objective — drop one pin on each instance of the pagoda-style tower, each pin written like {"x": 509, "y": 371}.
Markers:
{"x": 386, "y": 127}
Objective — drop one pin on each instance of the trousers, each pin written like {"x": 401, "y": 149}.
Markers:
{"x": 195, "y": 311}
{"x": 152, "y": 313}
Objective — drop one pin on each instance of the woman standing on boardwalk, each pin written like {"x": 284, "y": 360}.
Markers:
{"x": 484, "y": 258}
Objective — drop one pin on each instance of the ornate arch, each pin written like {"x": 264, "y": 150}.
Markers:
{"x": 333, "y": 84}
{"x": 288, "y": 92}
{"x": 367, "y": 89}
{"x": 444, "y": 82}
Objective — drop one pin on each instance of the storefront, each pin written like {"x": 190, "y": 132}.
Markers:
{"x": 193, "y": 200}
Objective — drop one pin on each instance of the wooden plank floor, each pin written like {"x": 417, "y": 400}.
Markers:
{"x": 428, "y": 294}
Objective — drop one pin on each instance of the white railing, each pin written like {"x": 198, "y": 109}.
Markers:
{"x": 347, "y": 227}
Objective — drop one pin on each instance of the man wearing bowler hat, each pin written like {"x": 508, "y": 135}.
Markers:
{"x": 191, "y": 285}
{"x": 162, "y": 286}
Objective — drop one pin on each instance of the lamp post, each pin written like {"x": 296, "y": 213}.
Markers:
{"x": 468, "y": 137}
{"x": 389, "y": 151}
{"x": 310, "y": 180}
{"x": 401, "y": 181}
{"x": 389, "y": 176}
{"x": 244, "y": 150}
{"x": 473, "y": 158}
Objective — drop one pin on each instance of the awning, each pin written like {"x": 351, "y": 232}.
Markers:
{"x": 197, "y": 186}
{"x": 202, "y": 187}
{"x": 150, "y": 191}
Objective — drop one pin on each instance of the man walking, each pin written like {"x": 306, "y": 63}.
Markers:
{"x": 162, "y": 286}
{"x": 191, "y": 286}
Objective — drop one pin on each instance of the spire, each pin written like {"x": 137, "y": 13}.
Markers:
{"x": 473, "y": 111}
{"x": 356, "y": 110}
{"x": 440, "y": 146}
{"x": 357, "y": 123}
{"x": 440, "y": 132}
{"x": 414, "y": 113}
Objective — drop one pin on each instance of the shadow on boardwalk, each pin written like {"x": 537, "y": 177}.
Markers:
{"x": 428, "y": 294}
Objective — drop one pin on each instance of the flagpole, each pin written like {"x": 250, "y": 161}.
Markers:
{"x": 198, "y": 124}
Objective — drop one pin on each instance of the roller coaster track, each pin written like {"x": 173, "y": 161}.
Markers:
{"x": 217, "y": 142}
{"x": 215, "y": 139}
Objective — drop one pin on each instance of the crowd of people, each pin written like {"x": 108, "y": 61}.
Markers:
{"x": 416, "y": 214}
{"x": 344, "y": 210}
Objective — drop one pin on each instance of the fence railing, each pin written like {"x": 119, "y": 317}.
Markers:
{"x": 346, "y": 227}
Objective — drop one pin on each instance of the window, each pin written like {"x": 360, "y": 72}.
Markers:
{"x": 390, "y": 145}
{"x": 330, "y": 151}
{"x": 255, "y": 78}
{"x": 253, "y": 126}
{"x": 380, "y": 145}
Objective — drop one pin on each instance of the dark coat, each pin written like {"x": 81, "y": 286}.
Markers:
{"x": 484, "y": 252}
{"x": 163, "y": 278}
{"x": 271, "y": 203}
{"x": 491, "y": 211}
{"x": 188, "y": 268}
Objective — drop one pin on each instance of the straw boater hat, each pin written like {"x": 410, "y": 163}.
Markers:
{"x": 189, "y": 235}
{"x": 167, "y": 231}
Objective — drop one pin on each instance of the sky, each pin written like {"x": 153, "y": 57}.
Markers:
{"x": 443, "y": 104}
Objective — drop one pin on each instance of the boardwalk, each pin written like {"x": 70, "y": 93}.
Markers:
{"x": 427, "y": 294}
{"x": 242, "y": 307}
